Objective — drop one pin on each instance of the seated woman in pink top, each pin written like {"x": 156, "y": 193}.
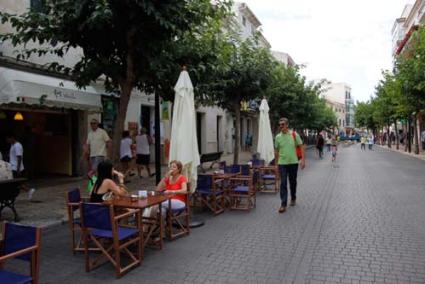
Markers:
{"x": 176, "y": 184}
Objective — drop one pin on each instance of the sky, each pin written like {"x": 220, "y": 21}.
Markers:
{"x": 338, "y": 40}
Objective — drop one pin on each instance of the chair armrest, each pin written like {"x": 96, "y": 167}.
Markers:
{"x": 18, "y": 253}
{"x": 241, "y": 178}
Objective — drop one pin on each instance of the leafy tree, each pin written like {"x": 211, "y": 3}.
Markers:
{"x": 290, "y": 96}
{"x": 244, "y": 77}
{"x": 364, "y": 116}
{"x": 121, "y": 40}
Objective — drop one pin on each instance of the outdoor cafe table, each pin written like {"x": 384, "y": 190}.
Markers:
{"x": 141, "y": 204}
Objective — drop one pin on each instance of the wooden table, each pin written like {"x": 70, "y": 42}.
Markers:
{"x": 141, "y": 204}
{"x": 9, "y": 190}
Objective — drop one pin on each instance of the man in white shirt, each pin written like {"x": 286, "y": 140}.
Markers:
{"x": 97, "y": 144}
{"x": 16, "y": 156}
{"x": 16, "y": 160}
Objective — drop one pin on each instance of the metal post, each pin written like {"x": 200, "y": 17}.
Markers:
{"x": 157, "y": 141}
{"x": 409, "y": 142}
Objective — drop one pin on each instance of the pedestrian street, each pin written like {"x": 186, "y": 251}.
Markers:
{"x": 359, "y": 220}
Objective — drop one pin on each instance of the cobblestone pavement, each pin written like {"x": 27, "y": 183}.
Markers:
{"x": 359, "y": 220}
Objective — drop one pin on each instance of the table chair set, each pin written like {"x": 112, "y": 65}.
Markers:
{"x": 116, "y": 231}
{"x": 235, "y": 186}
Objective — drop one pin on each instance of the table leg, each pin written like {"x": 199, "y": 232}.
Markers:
{"x": 161, "y": 227}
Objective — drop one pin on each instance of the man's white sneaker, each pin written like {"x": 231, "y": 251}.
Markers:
{"x": 30, "y": 193}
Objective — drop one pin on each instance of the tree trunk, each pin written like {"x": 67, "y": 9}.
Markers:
{"x": 237, "y": 110}
{"x": 397, "y": 139}
{"x": 416, "y": 135}
{"x": 388, "y": 135}
{"x": 119, "y": 122}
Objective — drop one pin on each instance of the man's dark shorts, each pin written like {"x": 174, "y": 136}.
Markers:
{"x": 125, "y": 159}
{"x": 142, "y": 159}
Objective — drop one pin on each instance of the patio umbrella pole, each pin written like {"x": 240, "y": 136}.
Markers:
{"x": 157, "y": 141}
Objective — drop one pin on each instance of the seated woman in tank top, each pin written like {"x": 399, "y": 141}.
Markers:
{"x": 175, "y": 184}
{"x": 105, "y": 183}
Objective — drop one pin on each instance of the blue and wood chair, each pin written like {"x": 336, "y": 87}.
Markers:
{"x": 269, "y": 178}
{"x": 101, "y": 227}
{"x": 209, "y": 193}
{"x": 73, "y": 202}
{"x": 178, "y": 219}
{"x": 242, "y": 193}
{"x": 20, "y": 242}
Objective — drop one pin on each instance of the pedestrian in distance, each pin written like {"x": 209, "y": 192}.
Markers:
{"x": 289, "y": 153}
{"x": 143, "y": 141}
{"x": 334, "y": 148}
{"x": 125, "y": 153}
{"x": 97, "y": 145}
{"x": 328, "y": 142}
{"x": 363, "y": 141}
{"x": 370, "y": 142}
{"x": 423, "y": 140}
{"x": 319, "y": 145}
{"x": 16, "y": 160}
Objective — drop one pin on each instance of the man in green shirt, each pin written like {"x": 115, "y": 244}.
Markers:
{"x": 286, "y": 158}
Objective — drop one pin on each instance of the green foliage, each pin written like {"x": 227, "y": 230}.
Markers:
{"x": 365, "y": 115}
{"x": 244, "y": 75}
{"x": 410, "y": 73}
{"x": 290, "y": 96}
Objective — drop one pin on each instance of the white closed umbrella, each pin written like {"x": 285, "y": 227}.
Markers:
{"x": 184, "y": 143}
{"x": 265, "y": 137}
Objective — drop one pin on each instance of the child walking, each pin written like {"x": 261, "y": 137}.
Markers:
{"x": 334, "y": 148}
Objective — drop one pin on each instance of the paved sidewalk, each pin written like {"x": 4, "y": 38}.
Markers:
{"x": 359, "y": 220}
{"x": 48, "y": 205}
{"x": 401, "y": 150}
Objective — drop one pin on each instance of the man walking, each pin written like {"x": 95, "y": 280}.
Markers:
{"x": 423, "y": 140}
{"x": 97, "y": 144}
{"x": 16, "y": 160}
{"x": 286, "y": 143}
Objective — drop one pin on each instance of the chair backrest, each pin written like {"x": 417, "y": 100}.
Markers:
{"x": 232, "y": 169}
{"x": 245, "y": 170}
{"x": 204, "y": 182}
{"x": 222, "y": 165}
{"x": 17, "y": 237}
{"x": 257, "y": 162}
{"x": 96, "y": 216}
{"x": 73, "y": 196}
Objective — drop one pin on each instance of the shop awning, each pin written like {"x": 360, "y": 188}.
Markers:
{"x": 21, "y": 87}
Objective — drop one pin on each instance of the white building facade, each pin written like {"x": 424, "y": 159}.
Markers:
{"x": 338, "y": 97}
{"x": 54, "y": 110}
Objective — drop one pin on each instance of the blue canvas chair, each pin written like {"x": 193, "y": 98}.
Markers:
{"x": 73, "y": 201}
{"x": 210, "y": 193}
{"x": 242, "y": 193}
{"x": 178, "y": 219}
{"x": 101, "y": 227}
{"x": 268, "y": 179}
{"x": 232, "y": 169}
{"x": 20, "y": 242}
